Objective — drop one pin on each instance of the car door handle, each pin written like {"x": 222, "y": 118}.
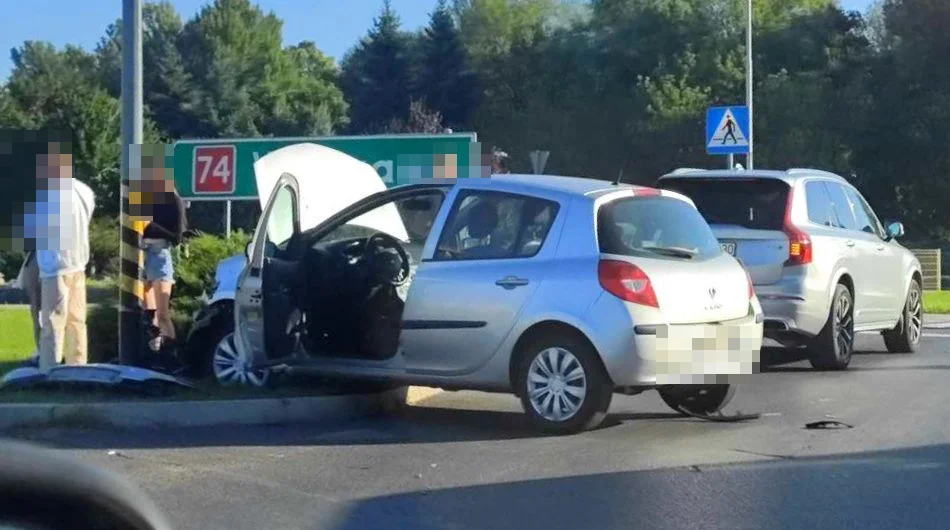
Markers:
{"x": 850, "y": 243}
{"x": 510, "y": 282}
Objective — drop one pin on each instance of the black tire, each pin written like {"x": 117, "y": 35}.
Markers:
{"x": 200, "y": 355}
{"x": 697, "y": 399}
{"x": 597, "y": 388}
{"x": 833, "y": 348}
{"x": 905, "y": 337}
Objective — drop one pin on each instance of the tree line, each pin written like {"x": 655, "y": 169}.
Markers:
{"x": 608, "y": 86}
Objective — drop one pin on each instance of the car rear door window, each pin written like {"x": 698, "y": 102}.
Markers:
{"x": 757, "y": 203}
{"x": 820, "y": 209}
{"x": 841, "y": 205}
{"x": 867, "y": 221}
{"x": 495, "y": 225}
{"x": 656, "y": 227}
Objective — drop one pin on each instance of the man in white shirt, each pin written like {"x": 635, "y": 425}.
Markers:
{"x": 64, "y": 208}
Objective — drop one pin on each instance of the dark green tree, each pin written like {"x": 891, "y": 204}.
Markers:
{"x": 376, "y": 75}
{"x": 445, "y": 80}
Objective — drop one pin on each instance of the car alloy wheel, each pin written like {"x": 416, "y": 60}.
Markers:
{"x": 557, "y": 384}
{"x": 844, "y": 327}
{"x": 914, "y": 312}
{"x": 231, "y": 368}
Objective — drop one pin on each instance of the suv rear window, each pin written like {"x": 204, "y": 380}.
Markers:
{"x": 748, "y": 202}
{"x": 654, "y": 227}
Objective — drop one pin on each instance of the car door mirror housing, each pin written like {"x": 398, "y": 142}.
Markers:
{"x": 895, "y": 230}
{"x": 247, "y": 249}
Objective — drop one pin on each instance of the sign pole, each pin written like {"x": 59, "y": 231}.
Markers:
{"x": 748, "y": 79}
{"x": 730, "y": 161}
{"x": 131, "y": 334}
{"x": 227, "y": 218}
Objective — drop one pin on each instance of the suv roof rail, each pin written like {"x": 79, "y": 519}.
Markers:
{"x": 817, "y": 172}
{"x": 680, "y": 170}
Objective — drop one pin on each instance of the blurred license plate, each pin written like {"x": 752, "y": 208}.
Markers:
{"x": 729, "y": 248}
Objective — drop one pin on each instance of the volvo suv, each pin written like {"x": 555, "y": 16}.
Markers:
{"x": 824, "y": 267}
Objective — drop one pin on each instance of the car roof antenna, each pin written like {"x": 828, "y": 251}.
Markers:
{"x": 619, "y": 177}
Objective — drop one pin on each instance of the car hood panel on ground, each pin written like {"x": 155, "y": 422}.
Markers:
{"x": 328, "y": 181}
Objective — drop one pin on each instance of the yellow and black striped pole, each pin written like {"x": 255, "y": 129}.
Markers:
{"x": 131, "y": 288}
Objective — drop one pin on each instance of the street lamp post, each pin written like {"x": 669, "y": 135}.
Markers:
{"x": 131, "y": 335}
{"x": 748, "y": 77}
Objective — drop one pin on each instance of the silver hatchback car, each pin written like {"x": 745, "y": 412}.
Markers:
{"x": 560, "y": 290}
{"x": 822, "y": 263}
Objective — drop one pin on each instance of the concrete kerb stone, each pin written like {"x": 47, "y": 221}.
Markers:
{"x": 268, "y": 411}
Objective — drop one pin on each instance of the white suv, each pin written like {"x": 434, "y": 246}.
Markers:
{"x": 823, "y": 265}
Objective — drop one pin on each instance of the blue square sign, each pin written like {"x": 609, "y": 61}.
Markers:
{"x": 727, "y": 130}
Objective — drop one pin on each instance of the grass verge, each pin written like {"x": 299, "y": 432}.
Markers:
{"x": 937, "y": 302}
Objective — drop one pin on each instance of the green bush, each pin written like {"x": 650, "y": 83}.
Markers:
{"x": 197, "y": 261}
{"x": 102, "y": 327}
{"x": 103, "y": 247}
{"x": 10, "y": 262}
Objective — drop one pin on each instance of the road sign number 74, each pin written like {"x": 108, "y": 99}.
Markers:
{"x": 214, "y": 169}
{"x": 222, "y": 169}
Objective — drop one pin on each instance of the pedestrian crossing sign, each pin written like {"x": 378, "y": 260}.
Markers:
{"x": 727, "y": 130}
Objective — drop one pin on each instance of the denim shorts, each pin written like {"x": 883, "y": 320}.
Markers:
{"x": 158, "y": 265}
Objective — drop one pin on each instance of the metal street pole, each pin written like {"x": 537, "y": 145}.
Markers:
{"x": 227, "y": 218}
{"x": 731, "y": 161}
{"x": 748, "y": 78}
{"x": 131, "y": 333}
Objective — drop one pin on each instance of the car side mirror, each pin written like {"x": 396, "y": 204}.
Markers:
{"x": 248, "y": 249}
{"x": 895, "y": 230}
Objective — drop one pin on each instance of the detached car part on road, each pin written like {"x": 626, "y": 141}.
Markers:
{"x": 822, "y": 263}
{"x": 560, "y": 290}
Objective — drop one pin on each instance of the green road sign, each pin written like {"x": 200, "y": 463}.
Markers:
{"x": 224, "y": 169}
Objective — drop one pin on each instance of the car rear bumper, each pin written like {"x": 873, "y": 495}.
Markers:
{"x": 790, "y": 307}
{"x": 722, "y": 353}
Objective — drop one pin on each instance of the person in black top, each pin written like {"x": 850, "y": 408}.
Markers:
{"x": 163, "y": 232}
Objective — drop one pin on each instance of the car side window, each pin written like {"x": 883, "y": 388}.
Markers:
{"x": 282, "y": 220}
{"x": 841, "y": 206}
{"x": 495, "y": 225}
{"x": 820, "y": 209}
{"x": 867, "y": 221}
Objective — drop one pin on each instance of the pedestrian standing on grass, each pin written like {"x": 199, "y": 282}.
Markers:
{"x": 163, "y": 232}
{"x": 64, "y": 208}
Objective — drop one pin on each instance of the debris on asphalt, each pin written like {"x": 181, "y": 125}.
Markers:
{"x": 828, "y": 424}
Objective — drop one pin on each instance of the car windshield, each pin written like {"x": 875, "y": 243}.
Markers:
{"x": 750, "y": 203}
{"x": 654, "y": 227}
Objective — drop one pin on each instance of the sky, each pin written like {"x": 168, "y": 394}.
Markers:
{"x": 333, "y": 27}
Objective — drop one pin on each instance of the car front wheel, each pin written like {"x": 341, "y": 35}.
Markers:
{"x": 231, "y": 368}
{"x": 905, "y": 337}
{"x": 563, "y": 386}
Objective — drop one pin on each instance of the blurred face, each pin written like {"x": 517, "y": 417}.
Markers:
{"x": 54, "y": 165}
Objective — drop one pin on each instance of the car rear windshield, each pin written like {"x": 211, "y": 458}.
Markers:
{"x": 663, "y": 227}
{"x": 752, "y": 203}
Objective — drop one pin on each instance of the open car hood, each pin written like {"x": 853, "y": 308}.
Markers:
{"x": 329, "y": 181}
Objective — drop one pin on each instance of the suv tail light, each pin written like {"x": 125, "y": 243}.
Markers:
{"x": 627, "y": 282}
{"x": 799, "y": 244}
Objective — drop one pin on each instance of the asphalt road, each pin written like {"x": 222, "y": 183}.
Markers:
{"x": 467, "y": 460}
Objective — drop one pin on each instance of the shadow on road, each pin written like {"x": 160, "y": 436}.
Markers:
{"x": 886, "y": 489}
{"x": 412, "y": 425}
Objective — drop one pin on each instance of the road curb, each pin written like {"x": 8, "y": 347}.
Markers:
{"x": 269, "y": 411}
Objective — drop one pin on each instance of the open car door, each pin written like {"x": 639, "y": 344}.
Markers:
{"x": 300, "y": 186}
{"x": 264, "y": 298}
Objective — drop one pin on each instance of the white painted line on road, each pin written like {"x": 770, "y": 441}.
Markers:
{"x": 944, "y": 336}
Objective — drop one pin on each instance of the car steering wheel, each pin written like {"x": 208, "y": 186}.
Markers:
{"x": 371, "y": 254}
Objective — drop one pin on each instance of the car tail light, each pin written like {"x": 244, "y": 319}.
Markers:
{"x": 799, "y": 244}
{"x": 627, "y": 282}
{"x": 646, "y": 192}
